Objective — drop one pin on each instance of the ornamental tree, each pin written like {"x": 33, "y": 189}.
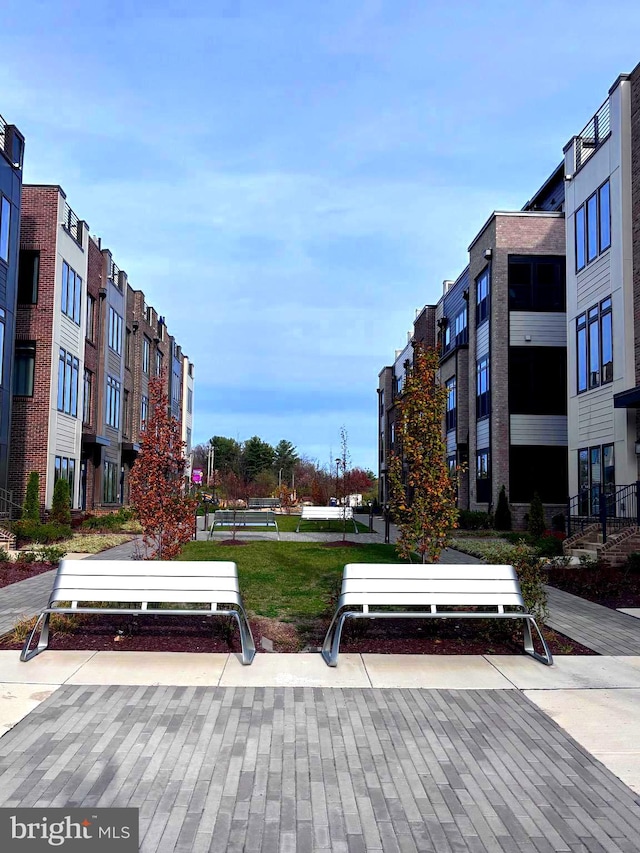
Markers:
{"x": 166, "y": 513}
{"x": 422, "y": 490}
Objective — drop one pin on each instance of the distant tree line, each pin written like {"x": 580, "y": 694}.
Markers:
{"x": 255, "y": 468}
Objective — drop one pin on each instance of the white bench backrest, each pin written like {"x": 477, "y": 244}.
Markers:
{"x": 146, "y": 581}
{"x": 454, "y": 585}
{"x": 323, "y": 513}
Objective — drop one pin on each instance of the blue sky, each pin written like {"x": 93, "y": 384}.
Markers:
{"x": 288, "y": 181}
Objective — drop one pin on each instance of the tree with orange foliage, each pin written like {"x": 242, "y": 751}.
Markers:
{"x": 422, "y": 491}
{"x": 166, "y": 513}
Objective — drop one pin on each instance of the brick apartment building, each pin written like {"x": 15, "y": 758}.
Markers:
{"x": 81, "y": 368}
{"x": 501, "y": 333}
{"x": 11, "y": 156}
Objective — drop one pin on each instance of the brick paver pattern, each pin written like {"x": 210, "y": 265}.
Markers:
{"x": 311, "y": 769}
{"x": 599, "y": 628}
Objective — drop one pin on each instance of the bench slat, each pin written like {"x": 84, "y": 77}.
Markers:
{"x": 426, "y": 586}
{"x": 161, "y": 583}
{"x": 395, "y": 571}
{"x": 146, "y": 568}
{"x": 167, "y": 596}
{"x": 457, "y": 599}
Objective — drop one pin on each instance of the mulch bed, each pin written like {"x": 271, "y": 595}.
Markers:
{"x": 11, "y": 572}
{"x": 607, "y": 585}
{"x": 201, "y": 634}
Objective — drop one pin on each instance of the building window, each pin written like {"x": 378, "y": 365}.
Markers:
{"x": 594, "y": 346}
{"x": 87, "y": 389}
{"x": 144, "y": 413}
{"x": 127, "y": 348}
{"x": 450, "y": 418}
{"x": 65, "y": 469}
{"x": 596, "y": 477}
{"x": 113, "y": 402}
{"x": 447, "y": 335}
{"x": 24, "y": 368}
{"x": 158, "y": 362}
{"x": 482, "y": 297}
{"x": 399, "y": 380}
{"x": 537, "y": 283}
{"x": 91, "y": 313}
{"x": 382, "y": 447}
{"x": 451, "y": 465}
{"x": 483, "y": 481}
{"x": 2, "y": 329}
{"x": 188, "y": 449}
{"x": 115, "y": 331}
{"x": 28, "y": 274}
{"x": 71, "y": 293}
{"x": 538, "y": 468}
{"x": 176, "y": 387}
{"x": 190, "y": 400}
{"x": 460, "y": 331}
{"x": 110, "y": 491}
{"x": 146, "y": 354}
{"x": 392, "y": 436}
{"x": 593, "y": 227}
{"x": 482, "y": 388}
{"x": 5, "y": 222}
{"x": 126, "y": 414}
{"x": 68, "y": 368}
{"x": 537, "y": 380}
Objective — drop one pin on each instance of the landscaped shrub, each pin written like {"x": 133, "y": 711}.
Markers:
{"x": 548, "y": 546}
{"x": 473, "y": 520}
{"x": 33, "y": 531}
{"x": 633, "y": 561}
{"x": 108, "y": 523}
{"x": 31, "y": 506}
{"x": 61, "y": 503}
{"x": 531, "y": 575}
{"x": 502, "y": 518}
{"x": 558, "y": 523}
{"x": 536, "y": 517}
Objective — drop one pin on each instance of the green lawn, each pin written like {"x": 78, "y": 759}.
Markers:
{"x": 289, "y": 523}
{"x": 289, "y": 580}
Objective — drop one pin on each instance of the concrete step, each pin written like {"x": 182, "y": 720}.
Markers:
{"x": 584, "y": 552}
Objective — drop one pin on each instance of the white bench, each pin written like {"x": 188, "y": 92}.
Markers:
{"x": 243, "y": 518}
{"x": 139, "y": 583}
{"x": 327, "y": 513}
{"x": 438, "y": 587}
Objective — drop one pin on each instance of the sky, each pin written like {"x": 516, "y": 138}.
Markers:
{"x": 288, "y": 180}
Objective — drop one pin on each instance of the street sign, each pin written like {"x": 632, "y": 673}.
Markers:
{"x": 196, "y": 476}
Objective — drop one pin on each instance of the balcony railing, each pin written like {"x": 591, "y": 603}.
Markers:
{"x": 594, "y": 134}
{"x": 72, "y": 224}
{"x": 11, "y": 143}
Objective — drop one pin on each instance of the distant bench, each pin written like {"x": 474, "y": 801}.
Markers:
{"x": 327, "y": 513}
{"x": 264, "y": 503}
{"x": 467, "y": 587}
{"x": 243, "y": 518}
{"x": 141, "y": 583}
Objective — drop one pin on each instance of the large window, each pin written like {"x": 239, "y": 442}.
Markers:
{"x": 537, "y": 380}
{"x": 65, "y": 469}
{"x": 24, "y": 368}
{"x": 68, "y": 367}
{"x": 127, "y": 348}
{"x": 538, "y": 468}
{"x": 593, "y": 227}
{"x": 596, "y": 477}
{"x": 176, "y": 387}
{"x": 126, "y": 414}
{"x": 450, "y": 418}
{"x": 110, "y": 490}
{"x": 3, "y": 317}
{"x": 115, "y": 331}
{"x": 190, "y": 400}
{"x": 144, "y": 413}
{"x": 483, "y": 479}
{"x": 5, "y": 223}
{"x": 146, "y": 354}
{"x": 71, "y": 293}
{"x": 87, "y": 389}
{"x": 594, "y": 346}
{"x": 460, "y": 330}
{"x": 482, "y": 297}
{"x": 537, "y": 283}
{"x": 158, "y": 362}
{"x": 28, "y": 273}
{"x": 113, "y": 402}
{"x": 482, "y": 388}
{"x": 91, "y": 318}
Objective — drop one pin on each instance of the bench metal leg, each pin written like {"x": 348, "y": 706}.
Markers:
{"x": 546, "y": 657}
{"x": 331, "y": 645}
{"x": 246, "y": 637}
{"x": 42, "y": 623}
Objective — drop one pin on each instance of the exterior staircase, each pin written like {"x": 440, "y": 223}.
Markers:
{"x": 614, "y": 552}
{"x": 7, "y": 538}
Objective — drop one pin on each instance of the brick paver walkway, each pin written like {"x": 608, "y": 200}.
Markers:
{"x": 602, "y": 629}
{"x": 25, "y": 598}
{"x": 303, "y": 769}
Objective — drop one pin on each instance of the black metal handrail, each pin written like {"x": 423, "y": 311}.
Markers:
{"x": 9, "y": 509}
{"x": 610, "y": 507}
